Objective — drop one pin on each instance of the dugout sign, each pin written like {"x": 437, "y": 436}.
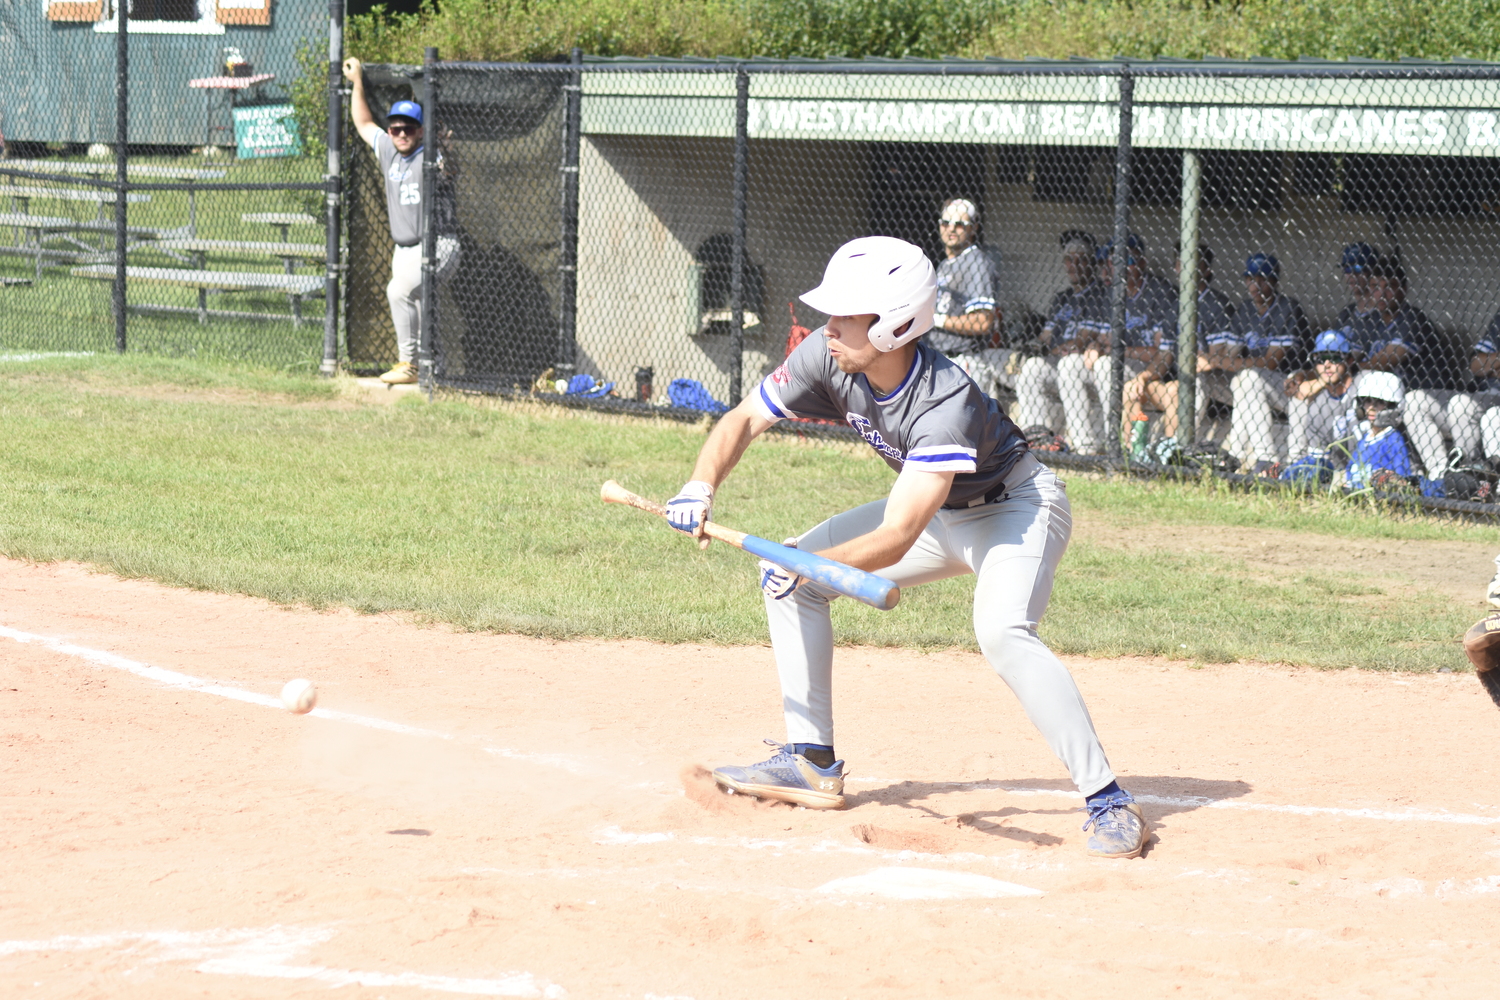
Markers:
{"x": 266, "y": 130}
{"x": 1431, "y": 131}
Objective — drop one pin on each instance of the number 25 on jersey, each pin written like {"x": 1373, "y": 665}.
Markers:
{"x": 411, "y": 194}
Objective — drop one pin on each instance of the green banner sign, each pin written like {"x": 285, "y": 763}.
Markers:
{"x": 266, "y": 130}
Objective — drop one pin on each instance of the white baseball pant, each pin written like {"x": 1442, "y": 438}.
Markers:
{"x": 1431, "y": 415}
{"x": 1312, "y": 423}
{"x": 1083, "y": 391}
{"x": 1013, "y": 546}
{"x": 404, "y": 291}
{"x": 1258, "y": 392}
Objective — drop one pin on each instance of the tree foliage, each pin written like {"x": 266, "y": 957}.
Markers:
{"x": 1286, "y": 29}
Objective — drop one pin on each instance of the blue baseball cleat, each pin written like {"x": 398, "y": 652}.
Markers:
{"x": 1120, "y": 828}
{"x": 787, "y": 777}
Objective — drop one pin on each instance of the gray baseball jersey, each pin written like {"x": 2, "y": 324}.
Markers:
{"x": 966, "y": 283}
{"x": 1151, "y": 315}
{"x": 403, "y": 190}
{"x": 937, "y": 418}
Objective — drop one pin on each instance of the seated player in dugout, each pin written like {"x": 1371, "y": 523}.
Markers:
{"x": 1160, "y": 393}
{"x": 1150, "y": 326}
{"x": 400, "y": 149}
{"x": 1379, "y": 456}
{"x": 1475, "y": 416}
{"x": 1321, "y": 411}
{"x": 1267, "y": 340}
{"x": 969, "y": 497}
{"x": 1150, "y": 323}
{"x": 968, "y": 316}
{"x": 1075, "y": 317}
{"x": 1357, "y": 264}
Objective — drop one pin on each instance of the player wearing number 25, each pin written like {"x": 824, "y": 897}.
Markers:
{"x": 400, "y": 148}
{"x": 968, "y": 498}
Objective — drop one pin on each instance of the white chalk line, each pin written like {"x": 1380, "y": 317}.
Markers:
{"x": 186, "y": 682}
{"x": 1204, "y": 802}
{"x": 268, "y": 953}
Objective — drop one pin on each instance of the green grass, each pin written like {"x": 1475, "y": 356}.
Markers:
{"x": 487, "y": 516}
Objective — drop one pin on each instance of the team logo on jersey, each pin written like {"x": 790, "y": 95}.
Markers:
{"x": 781, "y": 376}
{"x": 870, "y": 434}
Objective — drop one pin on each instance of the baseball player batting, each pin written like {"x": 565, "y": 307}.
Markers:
{"x": 968, "y": 498}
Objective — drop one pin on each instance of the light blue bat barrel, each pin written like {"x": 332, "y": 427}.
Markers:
{"x": 867, "y": 588}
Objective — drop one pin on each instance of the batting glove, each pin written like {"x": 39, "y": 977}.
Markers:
{"x": 691, "y": 507}
{"x": 778, "y": 583}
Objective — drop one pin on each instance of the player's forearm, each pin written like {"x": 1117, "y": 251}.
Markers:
{"x": 972, "y": 324}
{"x": 359, "y": 108}
{"x": 874, "y": 551}
{"x": 914, "y": 500}
{"x": 1388, "y": 359}
{"x": 727, "y": 443}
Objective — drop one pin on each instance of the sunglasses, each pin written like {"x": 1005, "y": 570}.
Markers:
{"x": 1329, "y": 356}
{"x": 954, "y": 222}
{"x": 404, "y": 129}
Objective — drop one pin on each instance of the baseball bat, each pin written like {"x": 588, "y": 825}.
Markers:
{"x": 867, "y": 588}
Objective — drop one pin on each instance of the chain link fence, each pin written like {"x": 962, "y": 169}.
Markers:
{"x": 164, "y": 189}
{"x": 634, "y": 235}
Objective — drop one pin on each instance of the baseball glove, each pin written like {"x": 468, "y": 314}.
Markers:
{"x": 1482, "y": 643}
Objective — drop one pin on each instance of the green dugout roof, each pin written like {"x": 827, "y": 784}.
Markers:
{"x": 1411, "y": 107}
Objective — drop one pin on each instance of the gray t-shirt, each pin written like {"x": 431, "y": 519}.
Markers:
{"x": 403, "y": 190}
{"x": 965, "y": 284}
{"x": 403, "y": 193}
{"x": 937, "y": 418}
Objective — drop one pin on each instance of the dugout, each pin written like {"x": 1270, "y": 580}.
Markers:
{"x": 1297, "y": 159}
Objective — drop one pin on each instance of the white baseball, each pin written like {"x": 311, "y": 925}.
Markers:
{"x": 299, "y": 696}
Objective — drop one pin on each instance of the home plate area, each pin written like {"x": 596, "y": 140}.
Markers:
{"x": 500, "y": 816}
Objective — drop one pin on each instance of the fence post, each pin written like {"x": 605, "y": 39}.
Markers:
{"x": 567, "y": 269}
{"x": 122, "y": 138}
{"x": 431, "y": 130}
{"x": 737, "y": 252}
{"x": 1187, "y": 302}
{"x": 333, "y": 180}
{"x": 1114, "y": 413}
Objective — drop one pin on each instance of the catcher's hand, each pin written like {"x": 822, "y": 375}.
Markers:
{"x": 1482, "y": 643}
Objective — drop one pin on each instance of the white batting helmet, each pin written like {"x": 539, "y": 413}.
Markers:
{"x": 1386, "y": 386}
{"x": 882, "y": 275}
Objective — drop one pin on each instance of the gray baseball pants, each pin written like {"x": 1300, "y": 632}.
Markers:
{"x": 404, "y": 291}
{"x": 1013, "y": 546}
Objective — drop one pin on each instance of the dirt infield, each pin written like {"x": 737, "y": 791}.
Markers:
{"x": 498, "y": 816}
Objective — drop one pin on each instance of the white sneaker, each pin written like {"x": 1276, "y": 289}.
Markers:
{"x": 1494, "y": 593}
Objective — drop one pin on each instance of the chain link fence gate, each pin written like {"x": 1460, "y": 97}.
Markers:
{"x": 166, "y": 189}
{"x": 639, "y": 243}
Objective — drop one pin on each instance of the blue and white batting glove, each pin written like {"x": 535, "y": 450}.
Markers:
{"x": 778, "y": 583}
{"x": 691, "y": 507}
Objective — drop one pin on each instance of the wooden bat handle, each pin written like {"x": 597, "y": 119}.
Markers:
{"x": 613, "y": 492}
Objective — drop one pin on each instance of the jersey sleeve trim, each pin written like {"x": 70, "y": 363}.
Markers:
{"x": 978, "y": 303}
{"x": 769, "y": 404}
{"x": 943, "y": 458}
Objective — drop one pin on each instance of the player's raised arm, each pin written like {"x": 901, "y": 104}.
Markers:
{"x": 359, "y": 108}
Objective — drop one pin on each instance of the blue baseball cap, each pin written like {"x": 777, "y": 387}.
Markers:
{"x": 406, "y": 109}
{"x": 1358, "y": 258}
{"x": 1263, "y": 265}
{"x": 1132, "y": 242}
{"x": 1332, "y": 340}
